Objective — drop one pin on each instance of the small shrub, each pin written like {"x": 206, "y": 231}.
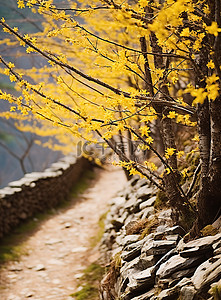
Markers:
{"x": 136, "y": 227}
{"x": 110, "y": 278}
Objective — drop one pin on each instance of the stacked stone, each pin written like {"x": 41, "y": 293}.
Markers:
{"x": 38, "y": 191}
{"x": 159, "y": 265}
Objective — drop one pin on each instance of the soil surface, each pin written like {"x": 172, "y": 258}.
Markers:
{"x": 60, "y": 249}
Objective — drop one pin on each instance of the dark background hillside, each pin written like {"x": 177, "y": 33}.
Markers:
{"x": 12, "y": 141}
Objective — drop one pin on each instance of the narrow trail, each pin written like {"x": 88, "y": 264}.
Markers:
{"x": 58, "y": 252}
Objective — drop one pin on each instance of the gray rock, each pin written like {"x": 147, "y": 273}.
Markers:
{"x": 169, "y": 294}
{"x": 184, "y": 273}
{"x": 148, "y": 203}
{"x": 146, "y": 261}
{"x": 158, "y": 236}
{"x": 175, "y": 230}
{"x": 165, "y": 217}
{"x": 217, "y": 251}
{"x": 137, "y": 264}
{"x": 118, "y": 202}
{"x": 145, "y": 296}
{"x": 176, "y": 263}
{"x": 128, "y": 256}
{"x": 217, "y": 245}
{"x": 140, "y": 183}
{"x": 144, "y": 193}
{"x": 201, "y": 242}
{"x": 206, "y": 273}
{"x": 126, "y": 268}
{"x": 158, "y": 247}
{"x": 39, "y": 267}
{"x": 147, "y": 212}
{"x": 162, "y": 228}
{"x": 134, "y": 180}
{"x": 217, "y": 224}
{"x": 117, "y": 223}
{"x": 130, "y": 239}
{"x": 140, "y": 280}
{"x": 203, "y": 250}
{"x": 174, "y": 237}
{"x": 184, "y": 281}
{"x": 187, "y": 293}
{"x": 165, "y": 258}
{"x": 131, "y": 246}
{"x": 132, "y": 205}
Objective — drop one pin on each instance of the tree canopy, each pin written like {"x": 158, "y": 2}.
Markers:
{"x": 141, "y": 76}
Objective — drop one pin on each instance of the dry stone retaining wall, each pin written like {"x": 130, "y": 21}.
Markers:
{"x": 158, "y": 265}
{"x": 38, "y": 191}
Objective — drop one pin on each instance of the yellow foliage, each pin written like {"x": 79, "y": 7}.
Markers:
{"x": 97, "y": 79}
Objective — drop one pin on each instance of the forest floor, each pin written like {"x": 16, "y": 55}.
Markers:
{"x": 56, "y": 253}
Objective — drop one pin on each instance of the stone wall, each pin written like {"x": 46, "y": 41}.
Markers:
{"x": 38, "y": 191}
{"x": 150, "y": 259}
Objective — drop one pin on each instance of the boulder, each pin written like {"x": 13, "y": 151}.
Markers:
{"x": 128, "y": 256}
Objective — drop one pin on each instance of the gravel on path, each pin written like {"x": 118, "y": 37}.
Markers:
{"x": 58, "y": 252}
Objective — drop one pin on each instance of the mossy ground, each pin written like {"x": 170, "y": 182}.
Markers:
{"x": 89, "y": 283}
{"x": 96, "y": 239}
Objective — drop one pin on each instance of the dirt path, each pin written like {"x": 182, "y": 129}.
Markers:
{"x": 61, "y": 248}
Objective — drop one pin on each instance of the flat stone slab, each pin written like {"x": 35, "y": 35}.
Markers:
{"x": 128, "y": 256}
{"x": 148, "y": 203}
{"x": 207, "y": 272}
{"x": 140, "y": 279}
{"x": 158, "y": 247}
{"x": 203, "y": 250}
{"x": 176, "y": 263}
{"x": 144, "y": 192}
{"x": 201, "y": 242}
{"x": 9, "y": 191}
